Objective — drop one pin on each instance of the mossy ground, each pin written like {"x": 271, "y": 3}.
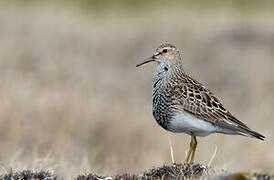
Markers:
{"x": 29, "y": 175}
{"x": 174, "y": 171}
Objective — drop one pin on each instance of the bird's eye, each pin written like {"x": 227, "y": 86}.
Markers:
{"x": 164, "y": 50}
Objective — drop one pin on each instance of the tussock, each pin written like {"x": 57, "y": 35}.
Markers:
{"x": 166, "y": 172}
{"x": 180, "y": 172}
{"x": 29, "y": 175}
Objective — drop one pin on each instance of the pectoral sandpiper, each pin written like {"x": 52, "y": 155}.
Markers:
{"x": 182, "y": 104}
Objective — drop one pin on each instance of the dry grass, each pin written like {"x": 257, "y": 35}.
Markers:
{"x": 71, "y": 99}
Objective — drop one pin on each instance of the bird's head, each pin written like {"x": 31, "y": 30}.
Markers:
{"x": 166, "y": 55}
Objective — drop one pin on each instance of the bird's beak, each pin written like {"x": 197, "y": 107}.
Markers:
{"x": 147, "y": 60}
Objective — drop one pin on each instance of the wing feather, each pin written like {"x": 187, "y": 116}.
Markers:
{"x": 201, "y": 102}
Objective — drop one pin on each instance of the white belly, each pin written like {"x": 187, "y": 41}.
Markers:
{"x": 189, "y": 124}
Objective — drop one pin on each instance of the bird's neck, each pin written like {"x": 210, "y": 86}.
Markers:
{"x": 177, "y": 71}
{"x": 163, "y": 79}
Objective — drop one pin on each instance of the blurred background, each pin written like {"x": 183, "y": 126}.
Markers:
{"x": 71, "y": 99}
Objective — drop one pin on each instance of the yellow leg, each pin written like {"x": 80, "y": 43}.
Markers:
{"x": 189, "y": 153}
{"x": 194, "y": 145}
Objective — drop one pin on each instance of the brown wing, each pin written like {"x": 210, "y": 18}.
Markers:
{"x": 200, "y": 102}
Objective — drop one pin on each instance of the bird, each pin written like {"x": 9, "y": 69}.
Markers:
{"x": 181, "y": 104}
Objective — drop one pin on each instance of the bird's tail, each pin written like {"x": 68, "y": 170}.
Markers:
{"x": 251, "y": 133}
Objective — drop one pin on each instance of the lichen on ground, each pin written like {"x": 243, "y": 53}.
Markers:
{"x": 176, "y": 171}
{"x": 181, "y": 172}
{"x": 29, "y": 175}
{"x": 166, "y": 172}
